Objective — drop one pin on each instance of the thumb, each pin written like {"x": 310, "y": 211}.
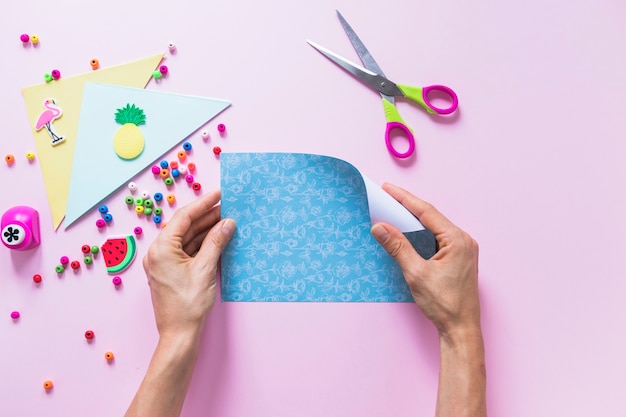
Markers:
{"x": 216, "y": 240}
{"x": 398, "y": 246}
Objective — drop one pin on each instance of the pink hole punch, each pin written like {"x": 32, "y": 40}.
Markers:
{"x": 20, "y": 228}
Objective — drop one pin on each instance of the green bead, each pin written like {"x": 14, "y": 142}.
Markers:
{"x": 130, "y": 200}
{"x": 169, "y": 181}
{"x": 95, "y": 249}
{"x": 59, "y": 269}
{"x": 47, "y": 77}
{"x": 88, "y": 260}
{"x": 139, "y": 201}
{"x": 158, "y": 211}
{"x": 147, "y": 211}
{"x": 157, "y": 74}
{"x": 148, "y": 203}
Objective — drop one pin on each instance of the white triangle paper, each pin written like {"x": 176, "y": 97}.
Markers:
{"x": 97, "y": 171}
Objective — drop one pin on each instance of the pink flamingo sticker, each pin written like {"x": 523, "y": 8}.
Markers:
{"x": 49, "y": 115}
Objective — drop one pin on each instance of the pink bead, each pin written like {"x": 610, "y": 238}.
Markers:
{"x": 221, "y": 128}
{"x": 101, "y": 223}
{"x": 156, "y": 169}
{"x": 117, "y": 281}
{"x": 163, "y": 69}
{"x": 189, "y": 178}
{"x": 138, "y": 230}
{"x": 24, "y": 37}
{"x": 15, "y": 314}
{"x": 56, "y": 74}
{"x": 64, "y": 260}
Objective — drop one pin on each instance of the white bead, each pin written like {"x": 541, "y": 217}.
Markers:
{"x": 132, "y": 187}
{"x": 145, "y": 195}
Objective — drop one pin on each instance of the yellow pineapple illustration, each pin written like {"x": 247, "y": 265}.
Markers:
{"x": 128, "y": 141}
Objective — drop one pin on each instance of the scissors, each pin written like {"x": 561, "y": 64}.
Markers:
{"x": 373, "y": 76}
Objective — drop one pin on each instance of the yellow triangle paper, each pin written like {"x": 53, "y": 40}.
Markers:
{"x": 67, "y": 92}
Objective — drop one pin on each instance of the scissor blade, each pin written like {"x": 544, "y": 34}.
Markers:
{"x": 376, "y": 81}
{"x": 364, "y": 54}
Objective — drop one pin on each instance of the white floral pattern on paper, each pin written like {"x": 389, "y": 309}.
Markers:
{"x": 302, "y": 232}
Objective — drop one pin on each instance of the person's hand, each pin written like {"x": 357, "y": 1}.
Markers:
{"x": 445, "y": 287}
{"x": 181, "y": 265}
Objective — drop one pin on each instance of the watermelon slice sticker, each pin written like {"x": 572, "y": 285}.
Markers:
{"x": 119, "y": 253}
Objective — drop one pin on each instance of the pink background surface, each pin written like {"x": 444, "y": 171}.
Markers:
{"x": 532, "y": 165}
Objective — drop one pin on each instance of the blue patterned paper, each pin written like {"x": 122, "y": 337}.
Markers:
{"x": 303, "y": 232}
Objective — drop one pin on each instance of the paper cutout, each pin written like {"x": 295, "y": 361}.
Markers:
{"x": 128, "y": 141}
{"x": 49, "y": 115}
{"x": 173, "y": 117}
{"x": 303, "y": 232}
{"x": 56, "y": 163}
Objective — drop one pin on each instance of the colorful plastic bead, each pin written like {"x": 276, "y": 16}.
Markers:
{"x": 147, "y": 211}
{"x": 139, "y": 201}
{"x": 148, "y": 203}
{"x": 174, "y": 165}
{"x": 156, "y": 169}
{"x": 108, "y": 217}
{"x": 85, "y": 249}
{"x": 182, "y": 155}
{"x": 170, "y": 198}
{"x": 163, "y": 69}
{"x": 191, "y": 167}
{"x": 189, "y": 179}
{"x": 187, "y": 146}
{"x": 47, "y": 77}
{"x": 137, "y": 230}
{"x": 139, "y": 209}
{"x": 158, "y": 211}
{"x": 132, "y": 187}
{"x": 221, "y": 128}
{"x": 217, "y": 150}
{"x": 157, "y": 219}
{"x": 130, "y": 200}
{"x": 145, "y": 195}
{"x": 59, "y": 269}
{"x": 196, "y": 186}
{"x": 34, "y": 39}
{"x": 30, "y": 156}
{"x": 165, "y": 173}
{"x": 37, "y": 278}
{"x": 205, "y": 134}
{"x": 64, "y": 260}
{"x": 48, "y": 385}
{"x": 15, "y": 315}
{"x": 75, "y": 265}
{"x": 9, "y": 159}
{"x": 157, "y": 196}
{"x": 156, "y": 74}
{"x": 88, "y": 260}
{"x": 95, "y": 64}
{"x": 100, "y": 223}
{"x": 171, "y": 46}
{"x": 95, "y": 249}
{"x": 24, "y": 37}
{"x": 103, "y": 209}
{"x": 56, "y": 74}
{"x": 109, "y": 356}
{"x": 168, "y": 181}
{"x": 164, "y": 164}
{"x": 89, "y": 334}
{"x": 182, "y": 169}
{"x": 117, "y": 281}
{"x": 175, "y": 173}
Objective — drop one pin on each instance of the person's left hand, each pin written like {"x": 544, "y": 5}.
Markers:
{"x": 181, "y": 265}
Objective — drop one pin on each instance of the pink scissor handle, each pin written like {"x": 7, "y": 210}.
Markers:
{"x": 409, "y": 136}
{"x": 442, "y": 89}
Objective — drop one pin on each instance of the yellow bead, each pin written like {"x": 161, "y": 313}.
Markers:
{"x": 139, "y": 209}
{"x": 30, "y": 156}
{"x": 34, "y": 39}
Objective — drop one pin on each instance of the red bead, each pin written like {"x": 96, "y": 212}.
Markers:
{"x": 37, "y": 278}
{"x": 191, "y": 167}
{"x": 89, "y": 334}
{"x": 217, "y": 150}
{"x": 85, "y": 249}
{"x": 196, "y": 186}
{"x": 75, "y": 264}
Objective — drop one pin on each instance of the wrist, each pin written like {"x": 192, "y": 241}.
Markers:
{"x": 467, "y": 335}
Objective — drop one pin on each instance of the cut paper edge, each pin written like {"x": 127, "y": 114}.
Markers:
{"x": 56, "y": 162}
{"x": 94, "y": 148}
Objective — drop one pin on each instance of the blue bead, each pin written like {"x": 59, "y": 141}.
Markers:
{"x": 157, "y": 196}
{"x": 175, "y": 173}
{"x": 107, "y": 217}
{"x": 164, "y": 164}
{"x": 157, "y": 219}
{"x": 103, "y": 209}
{"x": 187, "y": 146}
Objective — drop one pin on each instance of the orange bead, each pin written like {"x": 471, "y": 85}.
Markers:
{"x": 165, "y": 173}
{"x": 191, "y": 167}
{"x": 48, "y": 385}
{"x": 170, "y": 198}
{"x": 109, "y": 356}
{"x": 182, "y": 155}
{"x": 9, "y": 159}
{"x": 94, "y": 63}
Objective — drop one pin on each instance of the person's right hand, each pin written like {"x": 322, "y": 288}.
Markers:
{"x": 445, "y": 287}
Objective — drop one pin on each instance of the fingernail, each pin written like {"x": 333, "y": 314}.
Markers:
{"x": 228, "y": 227}
{"x": 380, "y": 233}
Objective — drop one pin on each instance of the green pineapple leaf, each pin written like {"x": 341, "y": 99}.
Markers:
{"x": 130, "y": 114}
